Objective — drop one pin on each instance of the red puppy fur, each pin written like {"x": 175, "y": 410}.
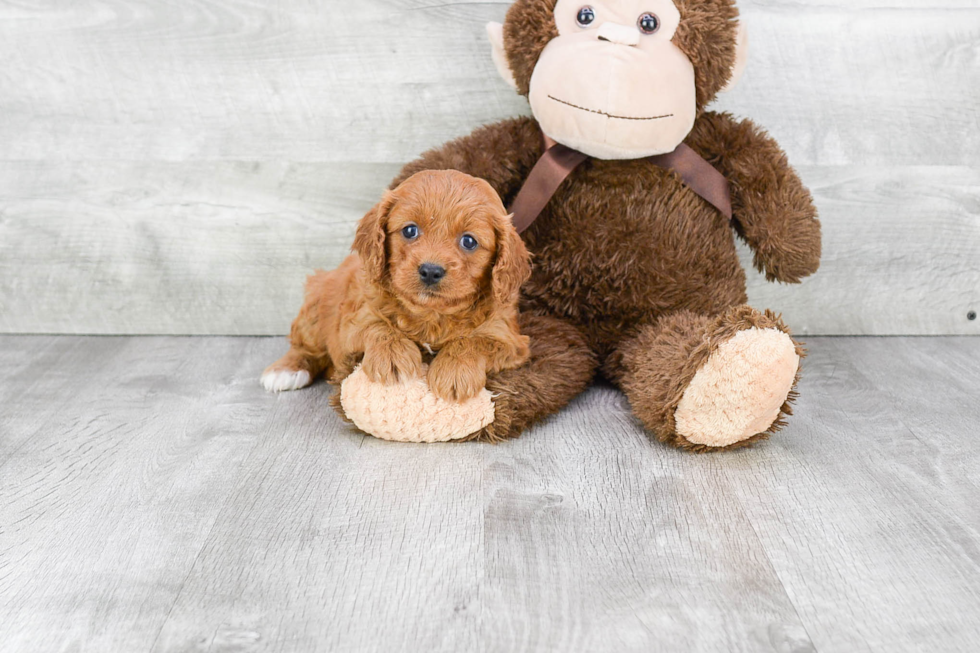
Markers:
{"x": 437, "y": 266}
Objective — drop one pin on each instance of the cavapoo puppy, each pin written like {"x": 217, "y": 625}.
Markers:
{"x": 437, "y": 269}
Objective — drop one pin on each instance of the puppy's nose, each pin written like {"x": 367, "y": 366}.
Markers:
{"x": 431, "y": 274}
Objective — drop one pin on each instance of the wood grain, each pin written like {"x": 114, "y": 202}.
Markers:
{"x": 881, "y": 477}
{"x": 901, "y": 254}
{"x": 107, "y": 499}
{"x": 598, "y": 540}
{"x": 874, "y": 84}
{"x": 223, "y": 248}
{"x": 867, "y": 83}
{"x": 178, "y": 168}
{"x": 155, "y": 498}
{"x": 152, "y": 248}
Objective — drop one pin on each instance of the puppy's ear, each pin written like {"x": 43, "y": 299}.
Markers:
{"x": 513, "y": 264}
{"x": 371, "y": 237}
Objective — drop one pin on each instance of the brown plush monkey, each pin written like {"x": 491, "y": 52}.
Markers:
{"x": 635, "y": 275}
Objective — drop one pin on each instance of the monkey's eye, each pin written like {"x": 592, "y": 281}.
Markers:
{"x": 410, "y": 232}
{"x": 468, "y": 243}
{"x": 648, "y": 23}
{"x": 586, "y": 16}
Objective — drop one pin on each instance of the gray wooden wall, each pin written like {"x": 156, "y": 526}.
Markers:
{"x": 179, "y": 167}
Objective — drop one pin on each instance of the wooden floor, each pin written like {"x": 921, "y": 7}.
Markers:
{"x": 154, "y": 498}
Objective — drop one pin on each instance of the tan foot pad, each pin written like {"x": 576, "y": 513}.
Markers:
{"x": 409, "y": 412}
{"x": 738, "y": 393}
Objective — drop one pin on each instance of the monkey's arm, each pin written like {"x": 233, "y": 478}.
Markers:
{"x": 774, "y": 211}
{"x": 502, "y": 153}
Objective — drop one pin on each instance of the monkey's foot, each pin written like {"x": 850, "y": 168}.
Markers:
{"x": 408, "y": 411}
{"x": 741, "y": 391}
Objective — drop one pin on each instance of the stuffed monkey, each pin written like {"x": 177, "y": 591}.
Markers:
{"x": 636, "y": 274}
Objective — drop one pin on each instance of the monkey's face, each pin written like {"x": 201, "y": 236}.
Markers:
{"x": 612, "y": 84}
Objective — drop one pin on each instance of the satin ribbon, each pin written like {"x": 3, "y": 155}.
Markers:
{"x": 558, "y": 162}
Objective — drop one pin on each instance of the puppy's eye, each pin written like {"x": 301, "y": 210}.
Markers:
{"x": 468, "y": 243}
{"x": 648, "y": 23}
{"x": 410, "y": 232}
{"x": 586, "y": 16}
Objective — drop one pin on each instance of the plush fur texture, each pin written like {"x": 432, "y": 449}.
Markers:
{"x": 707, "y": 35}
{"x": 610, "y": 91}
{"x": 633, "y": 271}
{"x": 656, "y": 367}
{"x": 375, "y": 310}
{"x": 561, "y": 366}
{"x": 529, "y": 27}
{"x": 625, "y": 249}
{"x": 624, "y": 242}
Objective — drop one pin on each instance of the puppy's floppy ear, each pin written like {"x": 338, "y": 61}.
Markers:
{"x": 513, "y": 264}
{"x": 371, "y": 236}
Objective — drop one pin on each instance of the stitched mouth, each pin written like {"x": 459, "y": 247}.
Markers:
{"x": 608, "y": 115}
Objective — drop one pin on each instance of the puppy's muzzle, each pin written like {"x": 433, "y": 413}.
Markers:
{"x": 431, "y": 274}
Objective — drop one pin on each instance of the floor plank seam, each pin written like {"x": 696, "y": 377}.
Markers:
{"x": 772, "y": 567}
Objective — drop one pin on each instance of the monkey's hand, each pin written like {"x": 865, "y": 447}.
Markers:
{"x": 457, "y": 373}
{"x": 390, "y": 359}
{"x": 789, "y": 249}
{"x": 773, "y": 210}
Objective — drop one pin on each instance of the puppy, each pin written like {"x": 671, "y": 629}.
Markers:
{"x": 437, "y": 269}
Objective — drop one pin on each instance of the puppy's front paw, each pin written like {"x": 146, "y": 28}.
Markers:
{"x": 393, "y": 360}
{"x": 454, "y": 378}
{"x": 285, "y": 380}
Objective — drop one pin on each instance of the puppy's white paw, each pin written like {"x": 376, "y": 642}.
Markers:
{"x": 285, "y": 380}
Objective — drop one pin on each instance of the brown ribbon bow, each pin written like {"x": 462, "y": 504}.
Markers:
{"x": 558, "y": 162}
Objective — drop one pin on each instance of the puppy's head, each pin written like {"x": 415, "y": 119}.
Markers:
{"x": 442, "y": 241}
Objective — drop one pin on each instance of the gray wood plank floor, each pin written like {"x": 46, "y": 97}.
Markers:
{"x": 154, "y": 498}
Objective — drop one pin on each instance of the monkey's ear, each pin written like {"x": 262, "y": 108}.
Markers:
{"x": 741, "y": 56}
{"x": 496, "y": 33}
